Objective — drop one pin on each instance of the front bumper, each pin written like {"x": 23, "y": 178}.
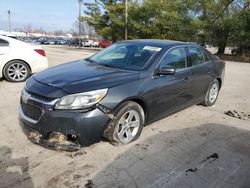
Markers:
{"x": 87, "y": 126}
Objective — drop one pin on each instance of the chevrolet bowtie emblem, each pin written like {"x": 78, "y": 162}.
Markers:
{"x": 25, "y": 98}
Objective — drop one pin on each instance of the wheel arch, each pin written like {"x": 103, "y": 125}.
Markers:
{"x": 2, "y": 72}
{"x": 137, "y": 100}
{"x": 220, "y": 82}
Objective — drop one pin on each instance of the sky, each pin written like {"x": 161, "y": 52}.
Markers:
{"x": 51, "y": 15}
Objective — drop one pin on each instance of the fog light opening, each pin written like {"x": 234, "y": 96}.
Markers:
{"x": 60, "y": 141}
{"x": 57, "y": 137}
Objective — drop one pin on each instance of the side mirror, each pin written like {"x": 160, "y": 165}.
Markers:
{"x": 165, "y": 71}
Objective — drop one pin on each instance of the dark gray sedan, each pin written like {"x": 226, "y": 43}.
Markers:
{"x": 117, "y": 91}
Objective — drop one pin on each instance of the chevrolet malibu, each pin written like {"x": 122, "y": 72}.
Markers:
{"x": 116, "y": 92}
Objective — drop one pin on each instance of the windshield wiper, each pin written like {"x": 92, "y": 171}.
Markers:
{"x": 107, "y": 65}
{"x": 89, "y": 60}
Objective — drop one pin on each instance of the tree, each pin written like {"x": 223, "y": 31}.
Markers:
{"x": 147, "y": 19}
{"x": 241, "y": 34}
{"x": 163, "y": 20}
{"x": 86, "y": 30}
{"x": 58, "y": 32}
{"x": 218, "y": 20}
{"x": 107, "y": 17}
{"x": 215, "y": 21}
{"x": 27, "y": 29}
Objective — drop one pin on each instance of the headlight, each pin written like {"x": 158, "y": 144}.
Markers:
{"x": 81, "y": 100}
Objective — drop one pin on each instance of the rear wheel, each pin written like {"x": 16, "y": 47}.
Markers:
{"x": 127, "y": 125}
{"x": 212, "y": 94}
{"x": 16, "y": 71}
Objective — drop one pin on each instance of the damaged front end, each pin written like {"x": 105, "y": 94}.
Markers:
{"x": 66, "y": 130}
{"x": 64, "y": 142}
{"x": 56, "y": 141}
{"x": 106, "y": 111}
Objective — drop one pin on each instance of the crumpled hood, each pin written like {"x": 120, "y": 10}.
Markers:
{"x": 80, "y": 76}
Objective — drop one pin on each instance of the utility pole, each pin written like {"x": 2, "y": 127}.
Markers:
{"x": 126, "y": 19}
{"x": 9, "y": 20}
{"x": 79, "y": 22}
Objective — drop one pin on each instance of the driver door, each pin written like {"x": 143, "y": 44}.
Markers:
{"x": 170, "y": 92}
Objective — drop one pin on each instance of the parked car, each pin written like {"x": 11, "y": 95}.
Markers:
{"x": 88, "y": 43}
{"x": 74, "y": 42}
{"x": 64, "y": 42}
{"x": 96, "y": 44}
{"x": 105, "y": 44}
{"x": 117, "y": 91}
{"x": 50, "y": 42}
{"x": 18, "y": 60}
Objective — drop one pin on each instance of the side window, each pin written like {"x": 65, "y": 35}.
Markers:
{"x": 175, "y": 58}
{"x": 196, "y": 56}
{"x": 3, "y": 43}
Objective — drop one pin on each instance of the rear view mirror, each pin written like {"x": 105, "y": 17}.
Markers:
{"x": 165, "y": 71}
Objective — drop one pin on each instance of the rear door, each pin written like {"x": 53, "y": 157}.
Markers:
{"x": 201, "y": 68}
{"x": 4, "y": 49}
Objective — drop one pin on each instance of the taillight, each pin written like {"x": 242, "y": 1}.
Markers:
{"x": 41, "y": 52}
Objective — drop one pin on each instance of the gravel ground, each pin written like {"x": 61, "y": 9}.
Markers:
{"x": 197, "y": 147}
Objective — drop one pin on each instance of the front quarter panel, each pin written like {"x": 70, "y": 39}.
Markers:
{"x": 119, "y": 94}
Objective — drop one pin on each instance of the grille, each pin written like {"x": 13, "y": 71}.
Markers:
{"x": 31, "y": 111}
{"x": 42, "y": 98}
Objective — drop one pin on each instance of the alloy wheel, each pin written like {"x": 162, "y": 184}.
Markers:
{"x": 17, "y": 71}
{"x": 128, "y": 126}
{"x": 213, "y": 93}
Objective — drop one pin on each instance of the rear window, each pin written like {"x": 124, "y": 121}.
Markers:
{"x": 196, "y": 56}
{"x": 3, "y": 42}
{"x": 206, "y": 57}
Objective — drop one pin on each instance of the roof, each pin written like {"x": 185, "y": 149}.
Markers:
{"x": 154, "y": 42}
{"x": 14, "y": 41}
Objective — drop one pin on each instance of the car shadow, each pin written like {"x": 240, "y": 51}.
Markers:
{"x": 210, "y": 155}
{"x": 13, "y": 172}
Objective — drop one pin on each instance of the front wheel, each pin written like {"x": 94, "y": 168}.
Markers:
{"x": 127, "y": 125}
{"x": 212, "y": 94}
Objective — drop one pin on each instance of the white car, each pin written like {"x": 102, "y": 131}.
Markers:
{"x": 88, "y": 43}
{"x": 96, "y": 44}
{"x": 18, "y": 60}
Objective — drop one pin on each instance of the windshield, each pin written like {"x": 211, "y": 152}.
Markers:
{"x": 125, "y": 56}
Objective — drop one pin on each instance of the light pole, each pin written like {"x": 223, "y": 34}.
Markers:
{"x": 126, "y": 20}
{"x": 79, "y": 21}
{"x": 9, "y": 20}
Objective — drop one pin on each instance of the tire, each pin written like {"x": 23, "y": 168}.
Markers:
{"x": 212, "y": 94}
{"x": 123, "y": 129}
{"x": 16, "y": 71}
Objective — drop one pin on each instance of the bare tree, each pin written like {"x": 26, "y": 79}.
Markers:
{"x": 27, "y": 29}
{"x": 86, "y": 30}
{"x": 58, "y": 32}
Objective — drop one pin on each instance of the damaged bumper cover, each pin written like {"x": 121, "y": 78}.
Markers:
{"x": 87, "y": 127}
{"x": 56, "y": 141}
